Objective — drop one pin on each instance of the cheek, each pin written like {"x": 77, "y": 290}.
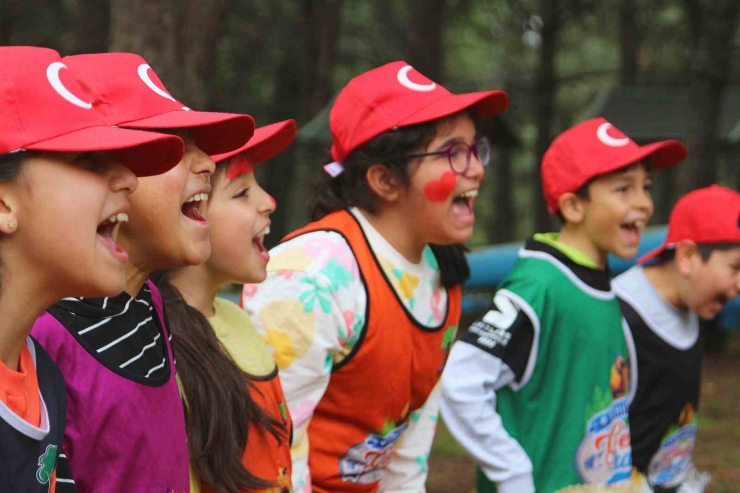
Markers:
{"x": 439, "y": 190}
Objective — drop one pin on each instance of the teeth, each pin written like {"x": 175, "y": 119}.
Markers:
{"x": 264, "y": 233}
{"x": 198, "y": 197}
{"x": 121, "y": 217}
{"x": 640, "y": 225}
{"x": 469, "y": 194}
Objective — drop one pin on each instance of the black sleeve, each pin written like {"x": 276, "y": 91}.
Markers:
{"x": 65, "y": 482}
{"x": 505, "y": 332}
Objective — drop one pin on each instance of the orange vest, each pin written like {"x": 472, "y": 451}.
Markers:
{"x": 264, "y": 456}
{"x": 391, "y": 371}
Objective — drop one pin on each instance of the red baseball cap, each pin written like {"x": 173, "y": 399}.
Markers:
{"x": 593, "y": 148}
{"x": 43, "y": 108}
{"x": 706, "y": 216}
{"x": 129, "y": 94}
{"x": 266, "y": 142}
{"x": 396, "y": 95}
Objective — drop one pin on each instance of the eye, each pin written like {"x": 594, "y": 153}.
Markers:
{"x": 241, "y": 193}
{"x": 623, "y": 189}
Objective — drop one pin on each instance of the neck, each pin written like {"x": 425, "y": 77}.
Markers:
{"x": 135, "y": 278}
{"x": 20, "y": 306}
{"x": 392, "y": 225}
{"x": 572, "y": 236}
{"x": 197, "y": 287}
{"x": 666, "y": 281}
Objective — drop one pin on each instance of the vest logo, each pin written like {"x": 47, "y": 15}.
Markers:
{"x": 364, "y": 463}
{"x": 672, "y": 461}
{"x": 47, "y": 464}
{"x": 605, "y": 453}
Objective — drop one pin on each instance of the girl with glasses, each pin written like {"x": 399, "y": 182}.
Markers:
{"x": 361, "y": 306}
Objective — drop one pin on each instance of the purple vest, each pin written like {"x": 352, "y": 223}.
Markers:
{"x": 121, "y": 436}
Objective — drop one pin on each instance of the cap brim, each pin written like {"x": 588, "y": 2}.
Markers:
{"x": 652, "y": 254}
{"x": 663, "y": 154}
{"x": 144, "y": 153}
{"x": 213, "y": 133}
{"x": 266, "y": 142}
{"x": 484, "y": 105}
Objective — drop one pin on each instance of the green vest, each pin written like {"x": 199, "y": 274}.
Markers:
{"x": 570, "y": 411}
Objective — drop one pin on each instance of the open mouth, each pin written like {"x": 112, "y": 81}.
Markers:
{"x": 108, "y": 231}
{"x": 632, "y": 231}
{"x": 192, "y": 207}
{"x": 259, "y": 245}
{"x": 462, "y": 205}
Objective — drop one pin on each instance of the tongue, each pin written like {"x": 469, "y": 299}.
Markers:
{"x": 462, "y": 210}
{"x": 631, "y": 236}
{"x": 261, "y": 250}
{"x": 192, "y": 211}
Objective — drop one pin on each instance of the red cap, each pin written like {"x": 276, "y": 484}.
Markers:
{"x": 593, "y": 148}
{"x": 44, "y": 108}
{"x": 129, "y": 94}
{"x": 396, "y": 95}
{"x": 267, "y": 142}
{"x": 706, "y": 216}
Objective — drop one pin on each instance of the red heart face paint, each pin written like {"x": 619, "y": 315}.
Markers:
{"x": 440, "y": 190}
{"x": 239, "y": 164}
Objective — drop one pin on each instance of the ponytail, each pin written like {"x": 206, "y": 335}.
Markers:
{"x": 219, "y": 408}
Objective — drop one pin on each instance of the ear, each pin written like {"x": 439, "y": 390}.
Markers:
{"x": 687, "y": 254}
{"x": 571, "y": 207}
{"x": 383, "y": 182}
{"x": 8, "y": 212}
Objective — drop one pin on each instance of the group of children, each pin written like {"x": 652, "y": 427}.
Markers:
{"x": 122, "y": 212}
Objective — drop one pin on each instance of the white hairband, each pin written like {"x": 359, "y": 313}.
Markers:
{"x": 334, "y": 169}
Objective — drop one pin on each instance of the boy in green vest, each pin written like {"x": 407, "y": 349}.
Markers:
{"x": 537, "y": 390}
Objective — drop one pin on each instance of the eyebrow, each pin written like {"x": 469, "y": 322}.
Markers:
{"x": 449, "y": 142}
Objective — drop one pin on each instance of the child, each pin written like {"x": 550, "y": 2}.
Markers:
{"x": 536, "y": 390}
{"x": 62, "y": 200}
{"x": 692, "y": 276}
{"x": 238, "y": 426}
{"x": 125, "y": 421}
{"x": 358, "y": 308}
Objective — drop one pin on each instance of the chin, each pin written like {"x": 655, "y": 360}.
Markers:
{"x": 196, "y": 254}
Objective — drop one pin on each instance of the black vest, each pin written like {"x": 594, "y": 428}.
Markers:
{"x": 667, "y": 395}
{"x": 28, "y": 457}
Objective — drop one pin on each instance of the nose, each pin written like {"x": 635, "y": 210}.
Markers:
{"x": 475, "y": 170}
{"x": 645, "y": 202}
{"x": 267, "y": 204}
{"x": 201, "y": 163}
{"x": 123, "y": 179}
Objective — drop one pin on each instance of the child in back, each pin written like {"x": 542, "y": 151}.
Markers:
{"x": 691, "y": 276}
{"x": 239, "y": 430}
{"x": 536, "y": 391}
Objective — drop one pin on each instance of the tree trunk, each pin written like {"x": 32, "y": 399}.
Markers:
{"x": 709, "y": 69}
{"x": 629, "y": 41}
{"x": 304, "y": 84}
{"x": 424, "y": 45}
{"x": 545, "y": 99}
{"x": 176, "y": 37}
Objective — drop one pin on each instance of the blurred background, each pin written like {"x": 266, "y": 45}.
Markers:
{"x": 657, "y": 69}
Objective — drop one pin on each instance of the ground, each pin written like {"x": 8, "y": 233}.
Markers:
{"x": 718, "y": 441}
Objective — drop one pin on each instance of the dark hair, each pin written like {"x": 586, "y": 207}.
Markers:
{"x": 219, "y": 407}
{"x": 705, "y": 250}
{"x": 351, "y": 189}
{"x": 10, "y": 165}
{"x": 584, "y": 193}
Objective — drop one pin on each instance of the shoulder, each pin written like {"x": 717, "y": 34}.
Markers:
{"x": 49, "y": 332}
{"x": 311, "y": 252}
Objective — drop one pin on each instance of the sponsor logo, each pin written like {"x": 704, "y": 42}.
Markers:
{"x": 364, "y": 463}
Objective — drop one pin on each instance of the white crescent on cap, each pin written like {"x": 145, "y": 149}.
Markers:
{"x": 52, "y": 73}
{"x": 144, "y": 76}
{"x": 403, "y": 79}
{"x": 603, "y": 134}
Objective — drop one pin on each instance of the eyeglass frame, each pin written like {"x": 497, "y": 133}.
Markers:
{"x": 472, "y": 149}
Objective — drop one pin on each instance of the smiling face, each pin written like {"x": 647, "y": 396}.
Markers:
{"x": 611, "y": 218}
{"x": 69, "y": 209}
{"x": 441, "y": 200}
{"x": 708, "y": 284}
{"x": 239, "y": 213}
{"x": 168, "y": 228}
